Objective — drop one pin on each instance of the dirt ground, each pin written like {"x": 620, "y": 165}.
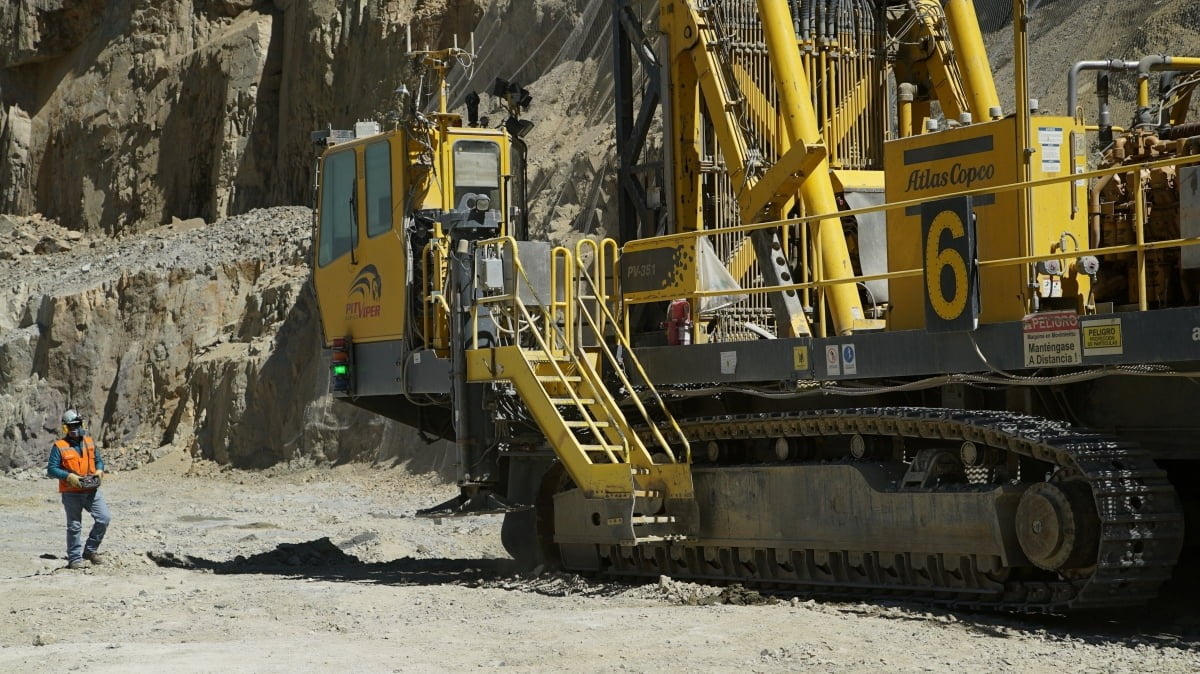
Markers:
{"x": 317, "y": 569}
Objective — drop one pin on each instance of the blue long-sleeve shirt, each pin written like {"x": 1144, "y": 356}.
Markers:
{"x": 54, "y": 467}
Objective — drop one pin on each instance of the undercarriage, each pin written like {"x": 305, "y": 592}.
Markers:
{"x": 972, "y": 509}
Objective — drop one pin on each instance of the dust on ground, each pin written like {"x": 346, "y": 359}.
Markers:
{"x": 211, "y": 569}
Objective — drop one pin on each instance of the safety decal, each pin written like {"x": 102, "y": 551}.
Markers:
{"x": 833, "y": 360}
{"x": 1103, "y": 338}
{"x": 728, "y": 362}
{"x": 1051, "y": 339}
{"x": 1050, "y": 139}
{"x": 800, "y": 358}
{"x": 849, "y": 359}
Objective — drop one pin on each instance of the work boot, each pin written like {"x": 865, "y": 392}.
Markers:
{"x": 79, "y": 564}
{"x": 94, "y": 557}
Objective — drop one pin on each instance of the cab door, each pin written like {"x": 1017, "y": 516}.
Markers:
{"x": 335, "y": 256}
{"x": 360, "y": 265}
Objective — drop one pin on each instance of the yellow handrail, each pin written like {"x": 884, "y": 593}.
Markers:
{"x": 431, "y": 262}
{"x": 600, "y": 292}
{"x": 610, "y": 251}
{"x": 820, "y": 284}
{"x": 565, "y": 336}
{"x": 560, "y": 255}
{"x": 662, "y": 442}
{"x": 1139, "y": 233}
{"x": 591, "y": 424}
{"x": 552, "y": 332}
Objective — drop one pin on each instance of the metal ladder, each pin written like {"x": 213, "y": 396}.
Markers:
{"x": 638, "y": 490}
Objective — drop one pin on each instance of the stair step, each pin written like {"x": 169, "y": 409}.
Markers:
{"x": 555, "y": 379}
{"x": 540, "y": 357}
{"x": 584, "y": 424}
{"x": 568, "y": 401}
{"x": 615, "y": 449}
{"x": 649, "y": 519}
{"x": 660, "y": 539}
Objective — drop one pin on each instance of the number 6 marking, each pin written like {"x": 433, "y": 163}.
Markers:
{"x": 937, "y": 259}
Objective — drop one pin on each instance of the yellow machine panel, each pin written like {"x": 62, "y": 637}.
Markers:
{"x": 359, "y": 258}
{"x": 974, "y": 157}
{"x": 658, "y": 269}
{"x": 369, "y": 187}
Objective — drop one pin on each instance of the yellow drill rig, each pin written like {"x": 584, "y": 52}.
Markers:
{"x": 862, "y": 331}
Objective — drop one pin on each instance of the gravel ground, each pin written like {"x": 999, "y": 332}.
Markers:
{"x": 310, "y": 569}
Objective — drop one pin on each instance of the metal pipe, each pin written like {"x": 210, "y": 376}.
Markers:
{"x": 1104, "y": 112}
{"x": 1112, "y": 65}
{"x": 1094, "y": 216}
{"x": 1139, "y": 231}
{"x": 1144, "y": 67}
{"x": 1181, "y": 131}
{"x": 908, "y": 92}
{"x": 1157, "y": 63}
{"x": 817, "y": 191}
{"x": 1024, "y": 152}
{"x": 972, "y": 56}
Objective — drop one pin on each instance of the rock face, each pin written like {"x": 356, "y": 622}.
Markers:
{"x": 202, "y": 337}
{"x": 119, "y": 117}
{"x": 116, "y": 116}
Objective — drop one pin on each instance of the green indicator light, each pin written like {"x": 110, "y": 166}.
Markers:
{"x": 341, "y": 370}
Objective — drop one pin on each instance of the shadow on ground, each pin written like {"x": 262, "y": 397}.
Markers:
{"x": 321, "y": 559}
{"x": 1169, "y": 622}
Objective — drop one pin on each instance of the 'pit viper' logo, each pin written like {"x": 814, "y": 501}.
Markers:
{"x": 365, "y": 294}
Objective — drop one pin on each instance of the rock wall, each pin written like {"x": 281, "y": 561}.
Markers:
{"x": 117, "y": 116}
{"x": 203, "y": 337}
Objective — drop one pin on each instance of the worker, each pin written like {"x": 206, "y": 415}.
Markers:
{"x": 75, "y": 461}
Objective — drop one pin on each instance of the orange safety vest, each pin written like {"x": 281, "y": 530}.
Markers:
{"x": 81, "y": 461}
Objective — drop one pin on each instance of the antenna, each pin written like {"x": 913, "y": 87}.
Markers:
{"x": 471, "y": 61}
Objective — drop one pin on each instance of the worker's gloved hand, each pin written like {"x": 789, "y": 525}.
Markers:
{"x": 73, "y": 480}
{"x": 99, "y": 473}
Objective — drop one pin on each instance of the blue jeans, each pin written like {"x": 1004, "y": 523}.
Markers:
{"x": 75, "y": 503}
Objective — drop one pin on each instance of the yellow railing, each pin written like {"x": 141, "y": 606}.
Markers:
{"x": 432, "y": 257}
{"x": 820, "y": 285}
{"x": 604, "y": 258}
{"x": 549, "y": 331}
{"x": 544, "y": 345}
{"x": 623, "y": 340}
{"x": 562, "y": 295}
{"x": 556, "y": 338}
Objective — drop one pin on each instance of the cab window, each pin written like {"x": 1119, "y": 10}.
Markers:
{"x": 476, "y": 171}
{"x": 337, "y": 207}
{"x": 378, "y": 161}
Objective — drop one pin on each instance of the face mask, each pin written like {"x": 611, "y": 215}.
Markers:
{"x": 75, "y": 431}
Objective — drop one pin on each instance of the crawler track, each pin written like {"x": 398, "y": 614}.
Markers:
{"x": 1141, "y": 525}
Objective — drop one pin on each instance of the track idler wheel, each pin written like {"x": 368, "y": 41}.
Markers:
{"x": 1057, "y": 525}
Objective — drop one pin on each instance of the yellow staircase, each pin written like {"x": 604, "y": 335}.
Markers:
{"x": 629, "y": 491}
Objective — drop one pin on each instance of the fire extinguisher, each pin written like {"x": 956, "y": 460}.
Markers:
{"x": 679, "y": 323}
